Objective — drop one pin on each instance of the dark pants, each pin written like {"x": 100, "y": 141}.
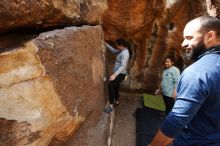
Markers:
{"x": 169, "y": 102}
{"x": 113, "y": 87}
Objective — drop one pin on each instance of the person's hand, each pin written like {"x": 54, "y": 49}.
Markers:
{"x": 112, "y": 77}
{"x": 174, "y": 94}
{"x": 157, "y": 92}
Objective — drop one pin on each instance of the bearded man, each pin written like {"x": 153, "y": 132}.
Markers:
{"x": 195, "y": 117}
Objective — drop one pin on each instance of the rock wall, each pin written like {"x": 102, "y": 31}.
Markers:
{"x": 52, "y": 86}
{"x": 154, "y": 29}
{"x": 52, "y": 59}
{"x": 52, "y": 77}
{"x": 26, "y": 14}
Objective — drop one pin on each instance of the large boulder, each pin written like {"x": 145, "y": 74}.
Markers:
{"x": 30, "y": 15}
{"x": 51, "y": 86}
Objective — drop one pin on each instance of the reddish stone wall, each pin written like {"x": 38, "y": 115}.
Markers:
{"x": 154, "y": 29}
{"x": 29, "y": 15}
{"x": 52, "y": 86}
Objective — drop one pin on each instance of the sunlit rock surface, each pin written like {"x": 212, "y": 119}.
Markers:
{"x": 53, "y": 85}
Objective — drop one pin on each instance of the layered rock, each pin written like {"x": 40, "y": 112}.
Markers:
{"x": 51, "y": 86}
{"x": 40, "y": 14}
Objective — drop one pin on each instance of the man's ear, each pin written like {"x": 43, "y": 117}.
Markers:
{"x": 211, "y": 35}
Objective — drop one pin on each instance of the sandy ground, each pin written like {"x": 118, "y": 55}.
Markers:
{"x": 124, "y": 125}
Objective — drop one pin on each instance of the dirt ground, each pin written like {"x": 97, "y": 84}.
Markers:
{"x": 124, "y": 125}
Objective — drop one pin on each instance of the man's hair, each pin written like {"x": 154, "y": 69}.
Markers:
{"x": 209, "y": 23}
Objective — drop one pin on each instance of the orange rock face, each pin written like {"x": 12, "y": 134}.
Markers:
{"x": 51, "y": 86}
{"x": 30, "y": 15}
{"x": 154, "y": 29}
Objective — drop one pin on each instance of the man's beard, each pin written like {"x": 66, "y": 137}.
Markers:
{"x": 196, "y": 51}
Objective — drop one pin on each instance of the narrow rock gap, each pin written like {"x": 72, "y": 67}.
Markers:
{"x": 37, "y": 30}
{"x": 17, "y": 37}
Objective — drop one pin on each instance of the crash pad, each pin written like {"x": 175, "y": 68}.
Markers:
{"x": 153, "y": 101}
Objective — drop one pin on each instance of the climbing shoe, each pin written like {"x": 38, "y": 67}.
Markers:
{"x": 108, "y": 109}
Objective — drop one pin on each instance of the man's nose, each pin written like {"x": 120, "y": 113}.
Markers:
{"x": 185, "y": 44}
